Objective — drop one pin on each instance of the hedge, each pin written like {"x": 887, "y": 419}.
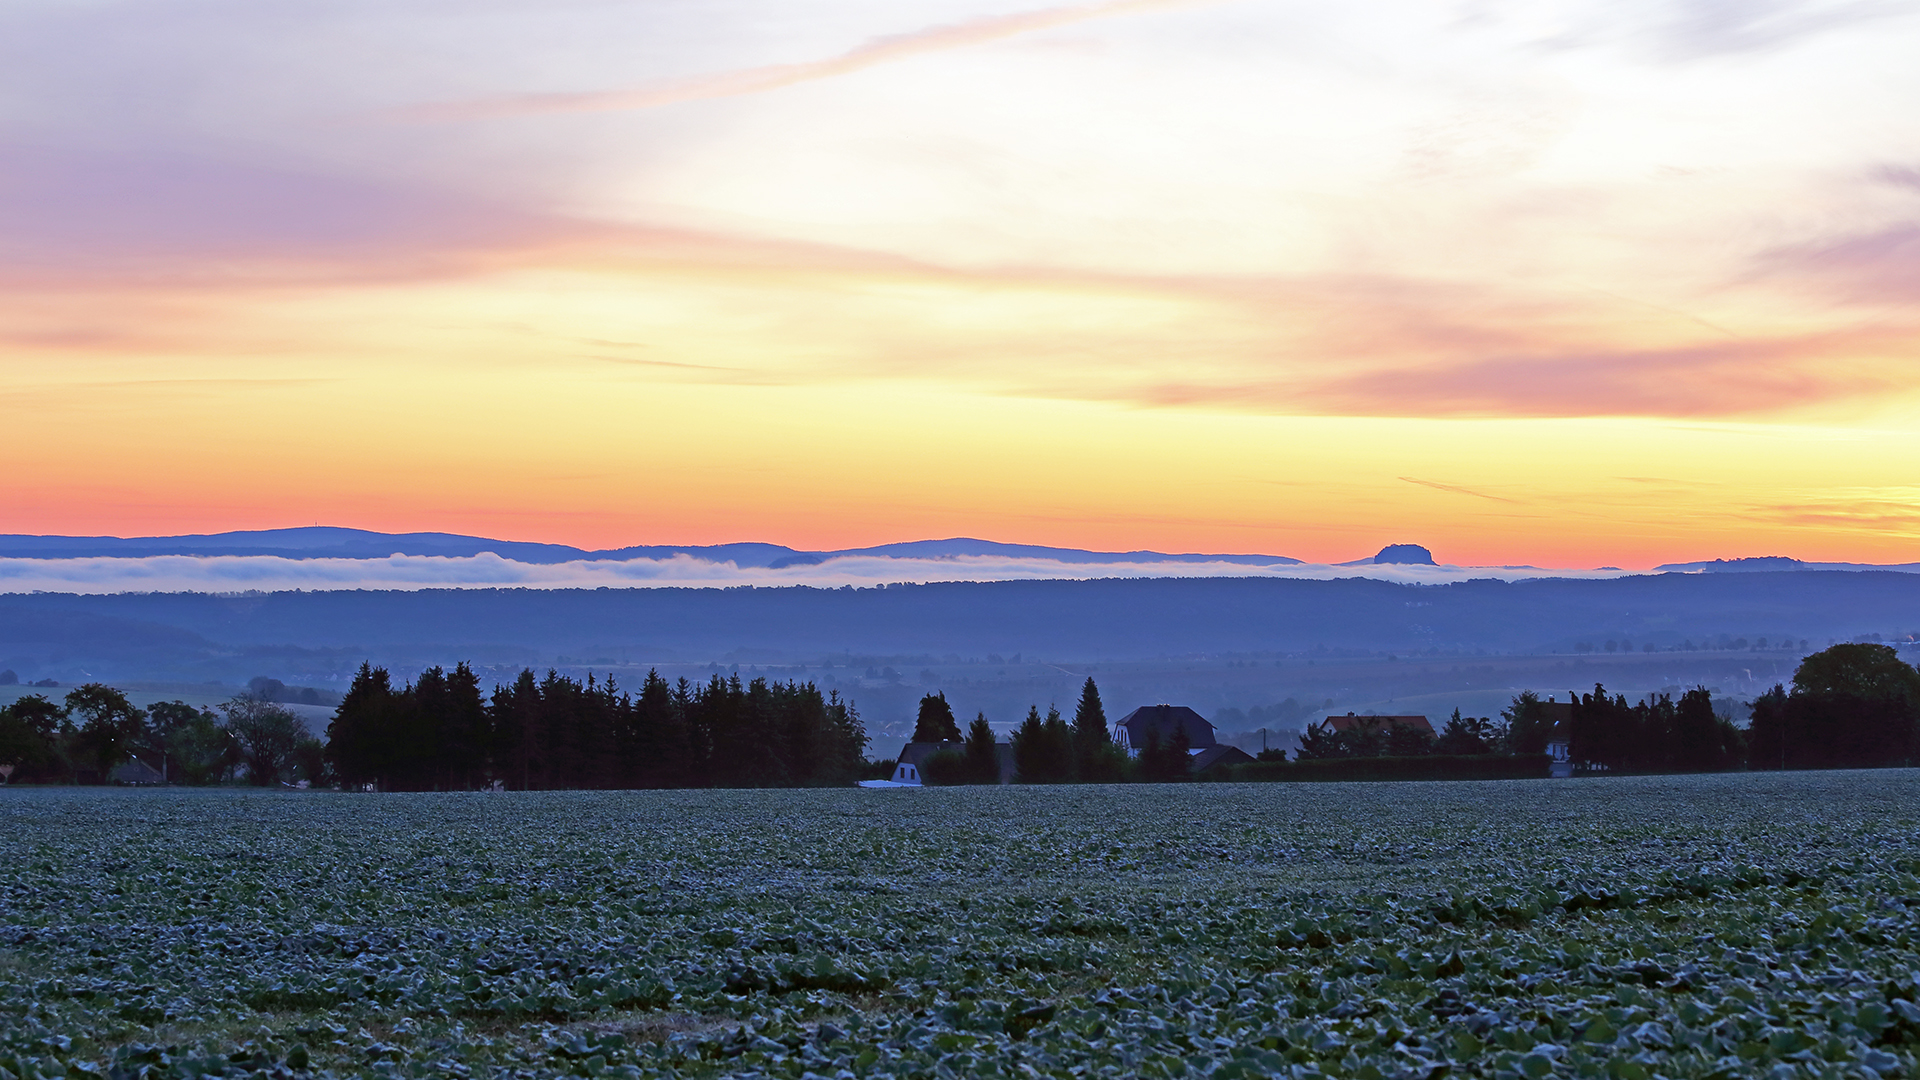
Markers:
{"x": 1430, "y": 767}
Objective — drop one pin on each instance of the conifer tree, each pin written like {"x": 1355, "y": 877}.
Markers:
{"x": 982, "y": 753}
{"x": 935, "y": 722}
{"x": 1029, "y": 753}
{"x": 356, "y": 739}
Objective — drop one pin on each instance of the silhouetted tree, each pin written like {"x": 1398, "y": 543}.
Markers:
{"x": 1406, "y": 740}
{"x": 1096, "y": 760}
{"x": 982, "y": 753}
{"x": 110, "y": 727}
{"x": 30, "y": 732}
{"x": 936, "y": 722}
{"x": 164, "y": 720}
{"x": 268, "y": 735}
{"x": 1527, "y": 723}
{"x": 1464, "y": 735}
{"x": 1043, "y": 748}
{"x": 360, "y": 738}
{"x": 1852, "y": 706}
{"x": 1318, "y": 741}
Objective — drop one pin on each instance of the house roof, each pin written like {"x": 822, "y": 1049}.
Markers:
{"x": 1219, "y": 755}
{"x": 917, "y": 753}
{"x": 135, "y": 771}
{"x": 1163, "y": 721}
{"x": 1350, "y": 722}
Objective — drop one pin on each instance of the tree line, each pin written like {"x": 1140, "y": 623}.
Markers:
{"x": 1047, "y": 749}
{"x": 1854, "y": 705}
{"x": 441, "y": 733}
{"x": 95, "y": 729}
{"x": 1849, "y": 706}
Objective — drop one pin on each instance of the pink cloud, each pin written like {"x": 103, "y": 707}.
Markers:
{"x": 1882, "y": 265}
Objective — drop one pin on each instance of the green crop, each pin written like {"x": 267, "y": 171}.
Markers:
{"x": 1723, "y": 926}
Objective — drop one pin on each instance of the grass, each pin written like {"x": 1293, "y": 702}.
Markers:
{"x": 1679, "y": 926}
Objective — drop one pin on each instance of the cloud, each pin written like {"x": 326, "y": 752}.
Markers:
{"x": 1437, "y": 486}
{"x": 1905, "y": 176}
{"x": 880, "y": 50}
{"x": 1888, "y": 511}
{"x": 224, "y": 574}
{"x": 1701, "y": 28}
{"x": 1735, "y": 378}
{"x": 1879, "y": 265}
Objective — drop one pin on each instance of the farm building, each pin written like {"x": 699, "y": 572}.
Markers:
{"x": 1350, "y": 722}
{"x": 1218, "y": 756}
{"x": 1160, "y": 722}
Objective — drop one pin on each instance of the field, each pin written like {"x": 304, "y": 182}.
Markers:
{"x": 1760, "y": 924}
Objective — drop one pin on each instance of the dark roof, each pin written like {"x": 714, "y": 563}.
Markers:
{"x": 1559, "y": 716}
{"x": 1219, "y": 756}
{"x": 917, "y": 753}
{"x": 1349, "y": 722}
{"x": 135, "y": 771}
{"x": 1163, "y": 721}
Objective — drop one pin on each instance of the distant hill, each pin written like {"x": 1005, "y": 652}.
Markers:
{"x": 198, "y": 636}
{"x": 1775, "y": 564}
{"x": 326, "y": 542}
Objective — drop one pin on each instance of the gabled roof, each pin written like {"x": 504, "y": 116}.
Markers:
{"x": 917, "y": 753}
{"x": 1163, "y": 721}
{"x": 135, "y": 771}
{"x": 1350, "y": 722}
{"x": 1220, "y": 755}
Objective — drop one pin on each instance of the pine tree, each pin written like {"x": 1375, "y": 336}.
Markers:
{"x": 1179, "y": 763}
{"x": 982, "y": 753}
{"x": 1095, "y": 759}
{"x": 357, "y": 741}
{"x": 935, "y": 722}
{"x": 1029, "y": 750}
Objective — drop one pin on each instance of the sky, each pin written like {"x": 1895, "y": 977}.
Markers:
{"x": 1568, "y": 284}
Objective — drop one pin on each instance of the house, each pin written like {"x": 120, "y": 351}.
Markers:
{"x": 1559, "y": 716}
{"x": 136, "y": 771}
{"x": 1350, "y": 722}
{"x": 913, "y": 757}
{"x": 1218, "y": 756}
{"x": 906, "y": 768}
{"x": 1161, "y": 722}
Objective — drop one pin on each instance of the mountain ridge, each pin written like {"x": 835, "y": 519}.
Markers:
{"x": 327, "y": 541}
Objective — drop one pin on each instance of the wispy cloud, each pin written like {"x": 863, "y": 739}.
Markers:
{"x": 1437, "y": 486}
{"x": 756, "y": 80}
{"x": 1886, "y": 511}
{"x": 1879, "y": 265}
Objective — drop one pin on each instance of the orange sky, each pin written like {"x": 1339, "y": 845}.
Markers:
{"x": 1564, "y": 286}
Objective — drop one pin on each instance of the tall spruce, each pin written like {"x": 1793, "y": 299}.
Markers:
{"x": 982, "y": 753}
{"x": 935, "y": 722}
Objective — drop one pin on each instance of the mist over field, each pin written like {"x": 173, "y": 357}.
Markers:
{"x": 231, "y": 573}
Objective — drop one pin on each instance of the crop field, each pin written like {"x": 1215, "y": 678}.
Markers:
{"x": 1731, "y": 926}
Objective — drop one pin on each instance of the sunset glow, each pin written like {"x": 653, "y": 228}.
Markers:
{"x": 1565, "y": 285}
